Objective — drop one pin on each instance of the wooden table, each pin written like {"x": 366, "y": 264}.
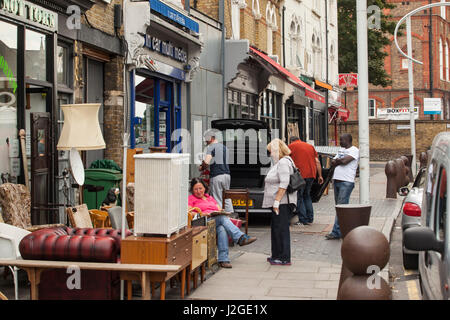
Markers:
{"x": 176, "y": 249}
{"x": 144, "y": 273}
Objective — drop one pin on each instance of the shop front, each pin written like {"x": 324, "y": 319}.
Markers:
{"x": 164, "y": 59}
{"x": 33, "y": 65}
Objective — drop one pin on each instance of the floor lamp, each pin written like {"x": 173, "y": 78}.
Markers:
{"x": 81, "y": 132}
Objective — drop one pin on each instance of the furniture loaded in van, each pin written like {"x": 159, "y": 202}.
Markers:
{"x": 249, "y": 162}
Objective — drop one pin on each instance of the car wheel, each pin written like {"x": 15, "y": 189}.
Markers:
{"x": 410, "y": 261}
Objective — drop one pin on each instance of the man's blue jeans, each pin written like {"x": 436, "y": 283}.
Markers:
{"x": 225, "y": 227}
{"x": 304, "y": 202}
{"x": 342, "y": 191}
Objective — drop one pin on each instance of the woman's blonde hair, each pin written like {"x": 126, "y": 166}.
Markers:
{"x": 283, "y": 149}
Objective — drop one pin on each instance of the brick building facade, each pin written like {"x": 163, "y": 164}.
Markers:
{"x": 253, "y": 23}
{"x": 396, "y": 96}
{"x": 430, "y": 80}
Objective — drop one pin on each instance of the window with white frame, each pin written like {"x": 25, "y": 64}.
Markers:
{"x": 271, "y": 21}
{"x": 447, "y": 75}
{"x": 443, "y": 10}
{"x": 255, "y": 9}
{"x": 441, "y": 60}
{"x": 372, "y": 108}
{"x": 295, "y": 42}
{"x": 317, "y": 52}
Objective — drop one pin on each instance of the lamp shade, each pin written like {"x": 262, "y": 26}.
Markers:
{"x": 81, "y": 128}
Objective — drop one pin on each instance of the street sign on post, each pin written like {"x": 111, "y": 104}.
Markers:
{"x": 432, "y": 105}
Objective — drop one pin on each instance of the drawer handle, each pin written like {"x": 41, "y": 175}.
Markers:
{"x": 187, "y": 251}
{"x": 204, "y": 236}
{"x": 196, "y": 241}
{"x": 174, "y": 258}
{"x": 174, "y": 244}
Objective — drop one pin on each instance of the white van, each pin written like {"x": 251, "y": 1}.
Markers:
{"x": 433, "y": 238}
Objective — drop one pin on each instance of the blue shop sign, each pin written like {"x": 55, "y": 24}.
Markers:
{"x": 174, "y": 15}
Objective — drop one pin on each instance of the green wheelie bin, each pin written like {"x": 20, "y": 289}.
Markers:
{"x": 106, "y": 178}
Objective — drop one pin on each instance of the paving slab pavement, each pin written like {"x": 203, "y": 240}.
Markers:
{"x": 316, "y": 262}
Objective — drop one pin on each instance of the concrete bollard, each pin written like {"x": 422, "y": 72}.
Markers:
{"x": 365, "y": 251}
{"x": 351, "y": 216}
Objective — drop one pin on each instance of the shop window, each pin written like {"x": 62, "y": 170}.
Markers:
{"x": 241, "y": 105}
{"x": 271, "y": 109}
{"x": 144, "y": 110}
{"x": 372, "y": 108}
{"x": 35, "y": 55}
{"x": 62, "y": 65}
{"x": 9, "y": 144}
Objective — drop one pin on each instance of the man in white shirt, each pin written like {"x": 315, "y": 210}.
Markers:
{"x": 346, "y": 164}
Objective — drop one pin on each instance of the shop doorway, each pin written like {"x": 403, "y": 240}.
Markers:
{"x": 157, "y": 112}
{"x": 41, "y": 155}
{"x": 296, "y": 119}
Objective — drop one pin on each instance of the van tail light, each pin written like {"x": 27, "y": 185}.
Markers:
{"x": 412, "y": 209}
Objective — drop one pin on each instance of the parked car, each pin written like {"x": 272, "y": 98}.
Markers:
{"x": 432, "y": 239}
{"x": 411, "y": 213}
{"x": 248, "y": 169}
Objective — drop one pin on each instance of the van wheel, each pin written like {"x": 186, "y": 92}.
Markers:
{"x": 410, "y": 261}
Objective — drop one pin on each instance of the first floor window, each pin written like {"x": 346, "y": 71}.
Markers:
{"x": 372, "y": 108}
{"x": 271, "y": 109}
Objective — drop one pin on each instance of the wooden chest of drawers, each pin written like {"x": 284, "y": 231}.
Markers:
{"x": 199, "y": 247}
{"x": 175, "y": 250}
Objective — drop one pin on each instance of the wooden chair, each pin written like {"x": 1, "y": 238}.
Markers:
{"x": 100, "y": 219}
{"x": 15, "y": 200}
{"x": 238, "y": 194}
{"x": 2, "y": 296}
{"x": 79, "y": 216}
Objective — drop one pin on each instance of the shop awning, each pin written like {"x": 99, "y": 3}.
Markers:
{"x": 324, "y": 85}
{"x": 309, "y": 92}
{"x": 338, "y": 113}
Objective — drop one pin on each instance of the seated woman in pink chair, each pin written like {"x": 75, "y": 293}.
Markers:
{"x": 224, "y": 227}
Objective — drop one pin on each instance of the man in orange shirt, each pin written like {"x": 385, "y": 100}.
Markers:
{"x": 306, "y": 160}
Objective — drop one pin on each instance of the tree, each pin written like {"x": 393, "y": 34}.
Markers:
{"x": 377, "y": 40}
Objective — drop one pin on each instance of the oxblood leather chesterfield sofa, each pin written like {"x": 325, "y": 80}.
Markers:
{"x": 75, "y": 244}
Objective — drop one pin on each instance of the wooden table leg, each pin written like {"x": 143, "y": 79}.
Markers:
{"x": 188, "y": 283}
{"x": 163, "y": 290}
{"x": 203, "y": 272}
{"x": 145, "y": 284}
{"x": 34, "y": 276}
{"x": 130, "y": 289}
{"x": 183, "y": 282}
{"x": 195, "y": 278}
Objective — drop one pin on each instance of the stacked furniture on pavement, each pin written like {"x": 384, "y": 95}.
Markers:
{"x": 75, "y": 244}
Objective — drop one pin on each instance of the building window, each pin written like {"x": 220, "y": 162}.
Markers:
{"x": 447, "y": 75}
{"x": 35, "y": 55}
{"x": 441, "y": 60}
{"x": 271, "y": 20}
{"x": 372, "y": 108}
{"x": 271, "y": 109}
{"x": 443, "y": 10}
{"x": 9, "y": 157}
{"x": 242, "y": 105}
{"x": 295, "y": 43}
{"x": 317, "y": 52}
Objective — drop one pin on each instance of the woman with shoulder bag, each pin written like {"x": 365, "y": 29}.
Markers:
{"x": 282, "y": 203}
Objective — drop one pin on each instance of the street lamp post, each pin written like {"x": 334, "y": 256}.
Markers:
{"x": 407, "y": 17}
{"x": 363, "y": 101}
